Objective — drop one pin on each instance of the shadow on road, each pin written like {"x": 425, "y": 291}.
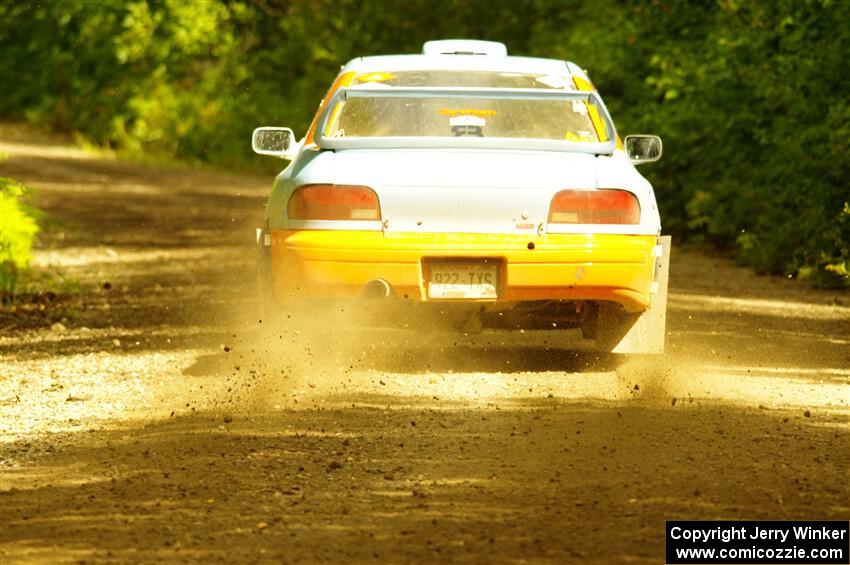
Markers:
{"x": 539, "y": 480}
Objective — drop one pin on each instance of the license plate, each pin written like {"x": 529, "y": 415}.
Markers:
{"x": 466, "y": 281}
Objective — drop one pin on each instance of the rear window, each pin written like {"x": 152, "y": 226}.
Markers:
{"x": 565, "y": 120}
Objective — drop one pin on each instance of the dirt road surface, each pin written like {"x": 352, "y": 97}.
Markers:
{"x": 151, "y": 417}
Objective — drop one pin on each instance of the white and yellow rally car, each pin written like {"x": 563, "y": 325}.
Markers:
{"x": 467, "y": 181}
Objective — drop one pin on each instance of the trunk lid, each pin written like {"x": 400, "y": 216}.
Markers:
{"x": 471, "y": 191}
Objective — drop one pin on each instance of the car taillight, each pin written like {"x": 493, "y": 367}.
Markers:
{"x": 334, "y": 202}
{"x": 608, "y": 206}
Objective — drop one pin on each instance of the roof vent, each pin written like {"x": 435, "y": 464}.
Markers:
{"x": 464, "y": 47}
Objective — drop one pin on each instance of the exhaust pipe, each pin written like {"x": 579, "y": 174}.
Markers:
{"x": 378, "y": 288}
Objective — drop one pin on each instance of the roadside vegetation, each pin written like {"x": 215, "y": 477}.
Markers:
{"x": 18, "y": 227}
{"x": 28, "y": 296}
{"x": 752, "y": 98}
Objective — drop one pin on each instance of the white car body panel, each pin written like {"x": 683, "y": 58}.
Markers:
{"x": 469, "y": 191}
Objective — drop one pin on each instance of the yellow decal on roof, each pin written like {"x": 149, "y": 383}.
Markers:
{"x": 332, "y": 120}
{"x": 343, "y": 80}
{"x": 375, "y": 77}
{"x": 598, "y": 124}
{"x": 583, "y": 84}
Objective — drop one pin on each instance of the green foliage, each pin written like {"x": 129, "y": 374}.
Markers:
{"x": 751, "y": 97}
{"x": 17, "y": 229}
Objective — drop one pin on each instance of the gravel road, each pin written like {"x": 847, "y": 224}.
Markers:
{"x": 146, "y": 415}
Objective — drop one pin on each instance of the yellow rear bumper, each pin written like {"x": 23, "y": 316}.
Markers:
{"x": 337, "y": 264}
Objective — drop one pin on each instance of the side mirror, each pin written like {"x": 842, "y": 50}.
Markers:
{"x": 643, "y": 148}
{"x": 279, "y": 142}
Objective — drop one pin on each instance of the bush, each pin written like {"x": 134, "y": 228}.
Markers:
{"x": 18, "y": 227}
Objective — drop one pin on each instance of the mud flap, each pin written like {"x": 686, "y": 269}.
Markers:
{"x": 264, "y": 289}
{"x": 648, "y": 330}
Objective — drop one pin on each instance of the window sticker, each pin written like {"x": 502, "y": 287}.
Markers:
{"x": 452, "y": 112}
{"x": 467, "y": 121}
{"x": 580, "y": 107}
{"x": 556, "y": 81}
